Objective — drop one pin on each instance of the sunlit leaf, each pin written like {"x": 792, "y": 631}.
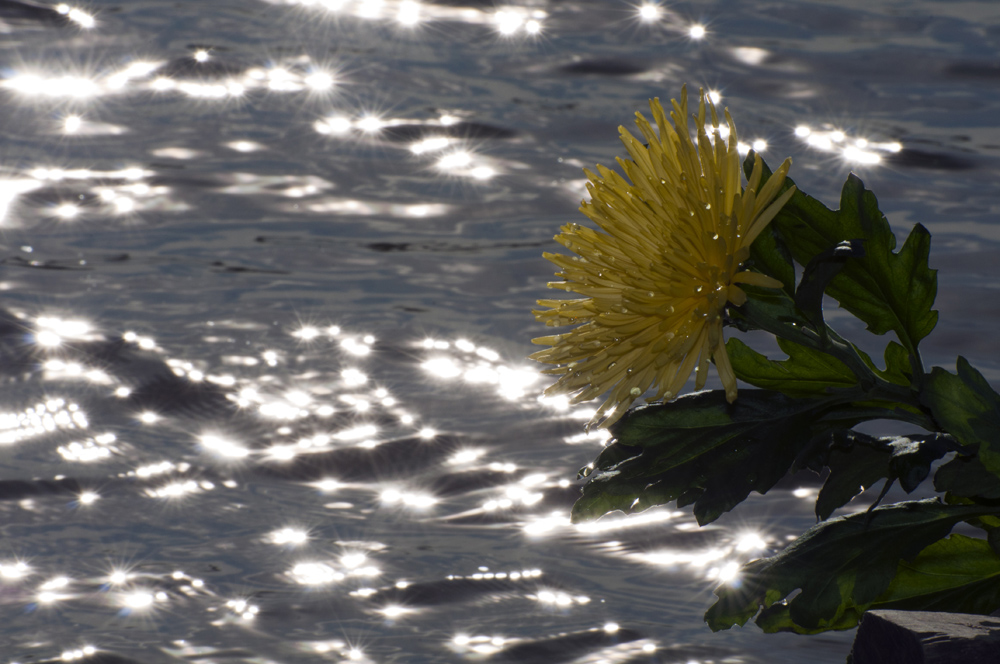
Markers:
{"x": 958, "y": 574}
{"x": 841, "y": 565}
{"x": 806, "y": 372}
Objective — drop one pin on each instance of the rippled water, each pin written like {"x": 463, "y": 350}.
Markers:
{"x": 267, "y": 273}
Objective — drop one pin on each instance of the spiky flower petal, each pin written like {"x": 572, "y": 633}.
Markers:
{"x": 656, "y": 277}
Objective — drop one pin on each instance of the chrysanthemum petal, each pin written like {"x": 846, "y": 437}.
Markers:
{"x": 767, "y": 215}
{"x": 756, "y": 279}
{"x": 673, "y": 229}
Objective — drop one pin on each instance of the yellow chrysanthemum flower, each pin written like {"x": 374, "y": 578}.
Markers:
{"x": 657, "y": 279}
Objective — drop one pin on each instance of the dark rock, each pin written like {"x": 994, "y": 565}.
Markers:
{"x": 926, "y": 637}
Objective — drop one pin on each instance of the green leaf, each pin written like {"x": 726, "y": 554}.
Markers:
{"x": 897, "y": 365}
{"x": 957, "y": 574}
{"x": 967, "y": 407}
{"x": 887, "y": 290}
{"x": 700, "y": 449}
{"x": 806, "y": 372}
{"x": 608, "y": 491}
{"x": 768, "y": 254}
{"x": 841, "y": 565}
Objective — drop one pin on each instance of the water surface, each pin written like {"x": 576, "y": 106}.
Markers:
{"x": 267, "y": 274}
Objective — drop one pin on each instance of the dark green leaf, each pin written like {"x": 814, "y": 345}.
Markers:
{"x": 685, "y": 423}
{"x": 957, "y": 574}
{"x": 989, "y": 523}
{"x": 967, "y": 407}
{"x": 885, "y": 289}
{"x": 853, "y": 468}
{"x": 702, "y": 450}
{"x": 610, "y": 456}
{"x": 822, "y": 268}
{"x": 966, "y": 476}
{"x": 993, "y": 539}
{"x": 806, "y": 372}
{"x": 840, "y": 565}
{"x": 857, "y": 461}
{"x": 774, "y": 311}
{"x": 912, "y": 457}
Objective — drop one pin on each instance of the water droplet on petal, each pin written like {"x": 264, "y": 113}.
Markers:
{"x": 635, "y": 391}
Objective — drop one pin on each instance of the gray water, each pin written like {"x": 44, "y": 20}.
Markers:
{"x": 267, "y": 272}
